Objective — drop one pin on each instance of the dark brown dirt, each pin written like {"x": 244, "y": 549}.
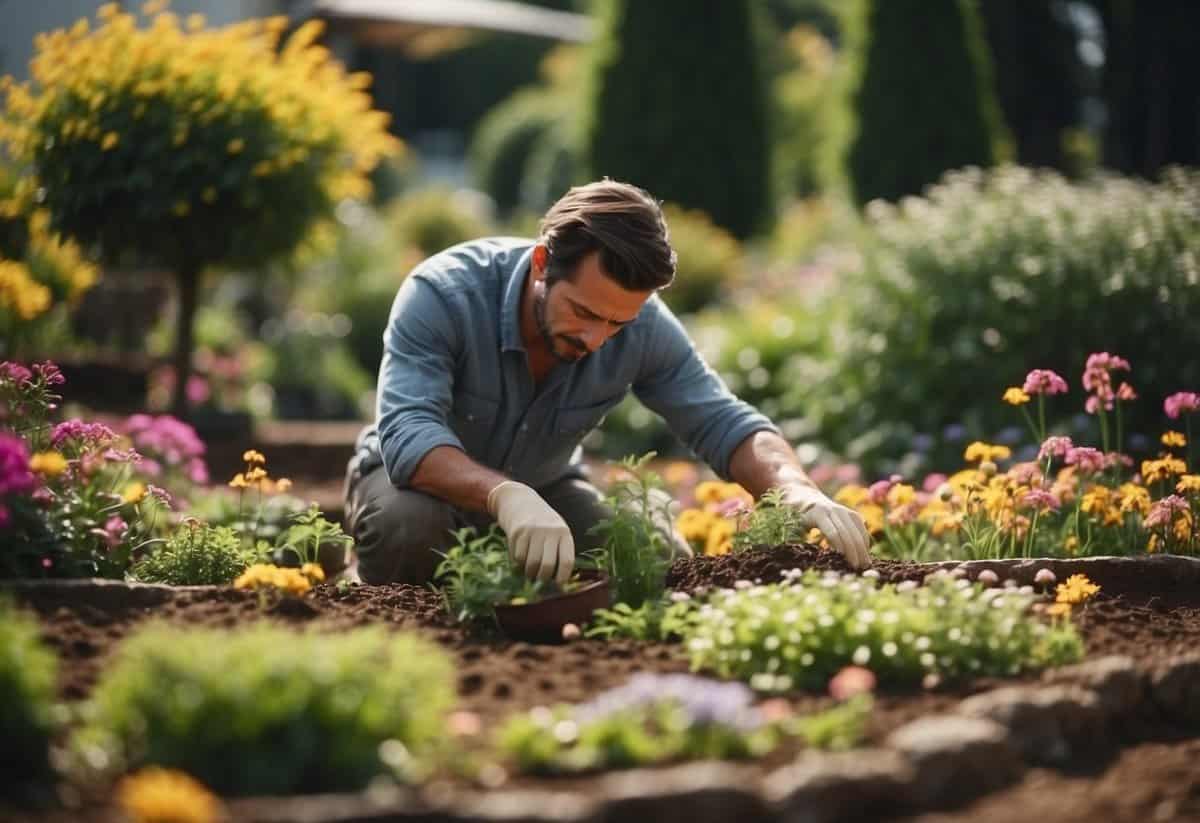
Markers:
{"x": 497, "y": 676}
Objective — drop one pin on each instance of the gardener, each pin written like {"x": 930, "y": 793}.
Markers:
{"x": 501, "y": 354}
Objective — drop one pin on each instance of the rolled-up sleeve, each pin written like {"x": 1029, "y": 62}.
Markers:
{"x": 416, "y": 379}
{"x": 698, "y": 407}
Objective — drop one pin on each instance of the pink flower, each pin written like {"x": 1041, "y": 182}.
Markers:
{"x": 1089, "y": 460}
{"x": 114, "y": 531}
{"x": 851, "y": 680}
{"x": 1041, "y": 500}
{"x": 933, "y": 482}
{"x": 15, "y": 372}
{"x": 15, "y": 476}
{"x": 1180, "y": 403}
{"x": 1055, "y": 447}
{"x": 5, "y": 517}
{"x": 1044, "y": 381}
{"x": 905, "y": 514}
{"x": 878, "y": 491}
{"x": 1027, "y": 474}
{"x": 1096, "y": 370}
{"x": 1126, "y": 392}
{"x": 1112, "y": 459}
{"x": 96, "y": 434}
{"x": 1163, "y": 512}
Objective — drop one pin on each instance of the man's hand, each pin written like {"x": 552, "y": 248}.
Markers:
{"x": 538, "y": 538}
{"x": 843, "y": 527}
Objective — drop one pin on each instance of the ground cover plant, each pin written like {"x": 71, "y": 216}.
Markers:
{"x": 28, "y": 671}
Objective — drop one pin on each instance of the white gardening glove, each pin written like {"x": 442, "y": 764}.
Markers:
{"x": 539, "y": 540}
{"x": 663, "y": 511}
{"x": 843, "y": 527}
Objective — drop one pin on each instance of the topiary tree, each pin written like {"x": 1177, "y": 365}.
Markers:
{"x": 924, "y": 100}
{"x": 678, "y": 107}
{"x": 190, "y": 147}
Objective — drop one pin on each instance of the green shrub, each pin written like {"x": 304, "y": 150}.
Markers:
{"x": 28, "y": 679}
{"x": 800, "y": 632}
{"x": 677, "y": 105}
{"x": 195, "y": 555}
{"x": 710, "y": 260}
{"x": 435, "y": 219}
{"x": 1016, "y": 269}
{"x": 265, "y": 710}
{"x": 637, "y": 550}
{"x": 924, "y": 102}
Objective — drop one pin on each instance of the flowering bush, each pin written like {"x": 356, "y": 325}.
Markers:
{"x": 196, "y": 554}
{"x": 1071, "y": 499}
{"x": 28, "y": 681}
{"x": 801, "y": 631}
{"x": 657, "y": 718}
{"x": 191, "y": 146}
{"x": 266, "y": 711}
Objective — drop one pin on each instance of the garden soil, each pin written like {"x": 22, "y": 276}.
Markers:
{"x": 497, "y": 676}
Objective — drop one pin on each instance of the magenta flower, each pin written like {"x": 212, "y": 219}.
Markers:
{"x": 87, "y": 434}
{"x": 114, "y": 531}
{"x": 15, "y": 476}
{"x": 1089, "y": 460}
{"x": 1163, "y": 512}
{"x": 1044, "y": 381}
{"x": 1041, "y": 500}
{"x": 1055, "y": 447}
{"x": 49, "y": 373}
{"x": 15, "y": 372}
{"x": 1097, "y": 379}
{"x": 1184, "y": 402}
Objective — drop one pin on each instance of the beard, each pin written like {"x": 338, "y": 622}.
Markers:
{"x": 577, "y": 350}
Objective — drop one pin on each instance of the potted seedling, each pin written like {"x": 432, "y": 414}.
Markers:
{"x": 479, "y": 582}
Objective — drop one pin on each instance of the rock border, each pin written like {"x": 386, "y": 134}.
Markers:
{"x": 931, "y": 763}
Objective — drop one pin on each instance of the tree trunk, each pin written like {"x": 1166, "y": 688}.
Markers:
{"x": 188, "y": 278}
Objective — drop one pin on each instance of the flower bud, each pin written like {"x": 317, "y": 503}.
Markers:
{"x": 1045, "y": 577}
{"x": 988, "y": 577}
{"x": 570, "y": 631}
{"x": 988, "y": 468}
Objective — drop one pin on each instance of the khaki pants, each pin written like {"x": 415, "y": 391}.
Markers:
{"x": 397, "y": 532}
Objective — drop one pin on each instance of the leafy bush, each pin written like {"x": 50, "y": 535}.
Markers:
{"x": 268, "y": 711}
{"x": 195, "y": 555}
{"x": 28, "y": 679}
{"x": 799, "y": 632}
{"x": 435, "y": 219}
{"x": 1015, "y": 268}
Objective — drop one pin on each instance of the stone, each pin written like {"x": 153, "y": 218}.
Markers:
{"x": 1115, "y": 679}
{"x": 955, "y": 757}
{"x": 704, "y": 792}
{"x": 1047, "y": 724}
{"x": 864, "y": 784}
{"x": 1175, "y": 688}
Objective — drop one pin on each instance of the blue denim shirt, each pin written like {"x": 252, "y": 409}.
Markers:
{"x": 454, "y": 373}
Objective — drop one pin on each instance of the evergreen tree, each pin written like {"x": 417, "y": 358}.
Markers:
{"x": 924, "y": 102}
{"x": 678, "y": 106}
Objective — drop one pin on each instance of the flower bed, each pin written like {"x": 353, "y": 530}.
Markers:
{"x": 970, "y": 737}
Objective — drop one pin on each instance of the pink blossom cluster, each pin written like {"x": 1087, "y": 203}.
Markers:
{"x": 15, "y": 476}
{"x": 1163, "y": 512}
{"x": 1041, "y": 500}
{"x": 1087, "y": 459}
{"x": 166, "y": 441}
{"x": 1097, "y": 379}
{"x": 1055, "y": 446}
{"x": 78, "y": 433}
{"x": 1183, "y": 402}
{"x": 1044, "y": 381}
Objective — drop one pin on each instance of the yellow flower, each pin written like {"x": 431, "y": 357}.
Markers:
{"x": 1174, "y": 439}
{"x": 1152, "y": 544}
{"x": 157, "y": 795}
{"x": 852, "y": 495}
{"x": 134, "y": 493}
{"x": 254, "y": 457}
{"x": 1134, "y": 498}
{"x": 282, "y": 485}
{"x": 694, "y": 524}
{"x": 901, "y": 494}
{"x": 873, "y": 516}
{"x": 1076, "y": 589}
{"x": 110, "y": 141}
{"x": 238, "y": 481}
{"x": 1059, "y": 609}
{"x": 1096, "y": 500}
{"x": 1189, "y": 483}
{"x": 1071, "y": 546}
{"x": 980, "y": 451}
{"x": 1162, "y": 469}
{"x": 716, "y": 491}
{"x": 313, "y": 572}
{"x": 720, "y": 537}
{"x": 20, "y": 292}
{"x": 268, "y": 576}
{"x": 255, "y": 475}
{"x": 1015, "y": 396}
{"x": 48, "y": 464}
{"x": 236, "y": 145}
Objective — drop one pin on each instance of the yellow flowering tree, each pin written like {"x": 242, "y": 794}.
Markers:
{"x": 169, "y": 142}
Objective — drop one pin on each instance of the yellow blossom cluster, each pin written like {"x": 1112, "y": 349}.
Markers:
{"x": 1162, "y": 469}
{"x": 20, "y": 294}
{"x": 710, "y": 526}
{"x": 268, "y": 576}
{"x": 1076, "y": 590}
{"x": 158, "y": 795}
{"x": 48, "y": 464}
{"x": 256, "y": 477}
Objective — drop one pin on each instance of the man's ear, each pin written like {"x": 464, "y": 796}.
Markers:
{"x": 541, "y": 256}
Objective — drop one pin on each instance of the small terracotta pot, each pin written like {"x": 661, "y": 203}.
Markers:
{"x": 543, "y": 621}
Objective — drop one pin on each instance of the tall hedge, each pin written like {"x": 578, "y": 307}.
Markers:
{"x": 924, "y": 101}
{"x": 678, "y": 106}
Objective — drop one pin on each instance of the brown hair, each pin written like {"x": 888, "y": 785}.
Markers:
{"x": 620, "y": 221}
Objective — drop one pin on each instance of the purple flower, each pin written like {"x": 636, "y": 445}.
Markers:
{"x": 704, "y": 701}
{"x": 1044, "y": 381}
{"x": 1181, "y": 403}
{"x": 15, "y": 476}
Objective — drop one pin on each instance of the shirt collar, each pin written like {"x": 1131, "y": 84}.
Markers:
{"x": 510, "y": 306}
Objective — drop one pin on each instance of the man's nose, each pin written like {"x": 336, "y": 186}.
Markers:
{"x": 594, "y": 336}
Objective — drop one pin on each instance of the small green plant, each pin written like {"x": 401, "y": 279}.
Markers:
{"x": 197, "y": 555}
{"x": 28, "y": 677}
{"x": 269, "y": 711}
{"x": 655, "y": 620}
{"x": 476, "y": 573}
{"x": 637, "y": 546}
{"x": 798, "y": 632}
{"x": 658, "y": 718}
{"x": 770, "y": 523}
{"x": 308, "y": 533}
